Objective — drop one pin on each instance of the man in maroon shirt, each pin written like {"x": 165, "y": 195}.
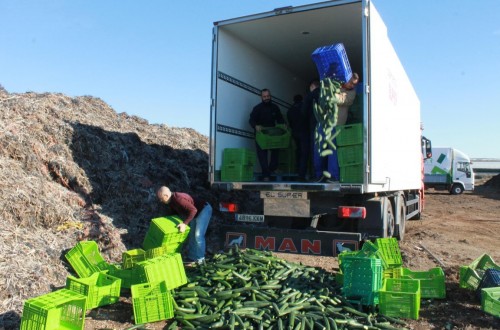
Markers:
{"x": 193, "y": 212}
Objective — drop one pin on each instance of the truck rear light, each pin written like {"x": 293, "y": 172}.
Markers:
{"x": 228, "y": 207}
{"x": 351, "y": 212}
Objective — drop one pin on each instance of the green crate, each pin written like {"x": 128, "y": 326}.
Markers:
{"x": 351, "y": 174}
{"x": 392, "y": 272}
{"x": 163, "y": 231}
{"x": 370, "y": 249}
{"x": 490, "y": 301}
{"x": 390, "y": 251}
{"x": 237, "y": 173}
{"x": 164, "y": 249}
{"x": 86, "y": 259}
{"x": 268, "y": 138}
{"x": 128, "y": 276}
{"x": 99, "y": 288}
{"x": 61, "y": 309}
{"x": 350, "y": 155}
{"x": 132, "y": 257}
{"x": 400, "y": 298}
{"x": 152, "y": 302}
{"x": 470, "y": 276}
{"x": 238, "y": 156}
{"x": 432, "y": 282}
{"x": 349, "y": 135}
{"x": 362, "y": 279}
{"x": 168, "y": 268}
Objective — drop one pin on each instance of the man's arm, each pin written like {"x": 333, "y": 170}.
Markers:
{"x": 346, "y": 97}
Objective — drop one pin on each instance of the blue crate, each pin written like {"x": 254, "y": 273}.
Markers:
{"x": 332, "y": 62}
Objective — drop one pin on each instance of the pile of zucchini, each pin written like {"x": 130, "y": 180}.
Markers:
{"x": 253, "y": 289}
{"x": 326, "y": 113}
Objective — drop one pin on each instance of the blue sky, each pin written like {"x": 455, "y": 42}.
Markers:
{"x": 153, "y": 58}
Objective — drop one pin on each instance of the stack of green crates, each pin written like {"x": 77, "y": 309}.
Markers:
{"x": 238, "y": 164}
{"x": 471, "y": 275}
{"x": 350, "y": 153}
{"x": 86, "y": 259}
{"x": 61, "y": 309}
{"x": 152, "y": 302}
{"x": 100, "y": 288}
{"x": 163, "y": 233}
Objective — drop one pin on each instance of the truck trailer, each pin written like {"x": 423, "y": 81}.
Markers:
{"x": 374, "y": 197}
{"x": 449, "y": 169}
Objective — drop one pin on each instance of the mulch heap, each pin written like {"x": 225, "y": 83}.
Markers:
{"x": 73, "y": 169}
{"x": 494, "y": 182}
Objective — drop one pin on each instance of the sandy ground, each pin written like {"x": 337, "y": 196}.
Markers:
{"x": 454, "y": 231}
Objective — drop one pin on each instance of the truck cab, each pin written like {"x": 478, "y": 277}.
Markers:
{"x": 449, "y": 169}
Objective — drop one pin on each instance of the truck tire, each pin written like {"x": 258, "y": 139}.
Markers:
{"x": 389, "y": 220}
{"x": 401, "y": 217}
{"x": 456, "y": 189}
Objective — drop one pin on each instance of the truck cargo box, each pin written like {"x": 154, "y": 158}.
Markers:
{"x": 273, "y": 50}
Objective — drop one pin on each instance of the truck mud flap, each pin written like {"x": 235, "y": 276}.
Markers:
{"x": 310, "y": 242}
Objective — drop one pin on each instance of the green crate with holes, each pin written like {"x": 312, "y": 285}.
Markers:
{"x": 490, "y": 301}
{"x": 471, "y": 275}
{"x": 61, "y": 309}
{"x": 151, "y": 302}
{"x": 350, "y": 155}
{"x": 390, "y": 252}
{"x": 86, "y": 259}
{"x": 100, "y": 288}
{"x": 400, "y": 298}
{"x": 238, "y": 156}
{"x": 349, "y": 135}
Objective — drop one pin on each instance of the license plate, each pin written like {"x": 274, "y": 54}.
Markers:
{"x": 284, "y": 194}
{"x": 250, "y": 217}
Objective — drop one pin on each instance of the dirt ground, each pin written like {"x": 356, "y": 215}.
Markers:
{"x": 454, "y": 231}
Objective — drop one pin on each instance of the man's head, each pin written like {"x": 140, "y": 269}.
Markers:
{"x": 352, "y": 82}
{"x": 164, "y": 194}
{"x": 313, "y": 84}
{"x": 265, "y": 95}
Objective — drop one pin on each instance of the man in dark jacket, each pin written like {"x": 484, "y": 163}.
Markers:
{"x": 266, "y": 114}
{"x": 299, "y": 125}
{"x": 319, "y": 163}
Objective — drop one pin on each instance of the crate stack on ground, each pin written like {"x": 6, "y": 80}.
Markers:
{"x": 238, "y": 164}
{"x": 349, "y": 143}
{"x": 151, "y": 273}
{"x": 396, "y": 290}
{"x": 483, "y": 277}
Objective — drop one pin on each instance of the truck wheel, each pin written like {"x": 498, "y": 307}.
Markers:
{"x": 456, "y": 189}
{"x": 388, "y": 218}
{"x": 401, "y": 211}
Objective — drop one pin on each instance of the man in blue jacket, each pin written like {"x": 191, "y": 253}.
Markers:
{"x": 266, "y": 114}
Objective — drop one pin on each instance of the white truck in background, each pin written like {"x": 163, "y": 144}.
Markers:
{"x": 273, "y": 50}
{"x": 449, "y": 169}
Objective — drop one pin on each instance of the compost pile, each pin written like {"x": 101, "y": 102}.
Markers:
{"x": 73, "y": 169}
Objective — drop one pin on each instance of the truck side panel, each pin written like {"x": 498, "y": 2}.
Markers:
{"x": 393, "y": 118}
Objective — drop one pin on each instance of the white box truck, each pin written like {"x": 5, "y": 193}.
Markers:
{"x": 273, "y": 50}
{"x": 449, "y": 169}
